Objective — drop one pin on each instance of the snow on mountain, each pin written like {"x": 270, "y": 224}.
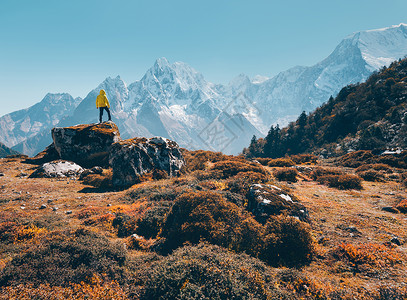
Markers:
{"x": 22, "y": 124}
{"x": 283, "y": 97}
{"x": 175, "y": 101}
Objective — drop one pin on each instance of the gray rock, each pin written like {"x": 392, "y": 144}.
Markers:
{"x": 1, "y": 174}
{"x": 86, "y": 145}
{"x": 395, "y": 240}
{"x": 43, "y": 206}
{"x": 134, "y": 157}
{"x": 68, "y": 212}
{"x": 390, "y": 209}
{"x": 57, "y": 169}
{"x": 265, "y": 200}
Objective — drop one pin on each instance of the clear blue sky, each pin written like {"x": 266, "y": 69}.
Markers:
{"x": 71, "y": 46}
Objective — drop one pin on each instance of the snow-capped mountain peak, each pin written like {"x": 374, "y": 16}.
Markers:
{"x": 174, "y": 100}
{"x": 382, "y": 46}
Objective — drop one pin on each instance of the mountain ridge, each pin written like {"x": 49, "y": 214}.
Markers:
{"x": 185, "y": 106}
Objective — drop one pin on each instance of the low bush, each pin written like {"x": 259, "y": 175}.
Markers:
{"x": 371, "y": 175}
{"x": 206, "y": 215}
{"x": 103, "y": 180}
{"x": 280, "y": 162}
{"x": 154, "y": 193}
{"x": 63, "y": 259}
{"x": 303, "y": 287}
{"x": 304, "y": 158}
{"x": 210, "y": 272}
{"x": 262, "y": 160}
{"x": 199, "y": 159}
{"x": 229, "y": 168}
{"x": 402, "y": 206}
{"x": 149, "y": 225}
{"x": 286, "y": 174}
{"x": 376, "y": 167}
{"x": 125, "y": 224}
{"x": 366, "y": 257}
{"x": 213, "y": 185}
{"x": 287, "y": 241}
{"x": 14, "y": 232}
{"x": 342, "y": 182}
{"x": 318, "y": 172}
{"x": 357, "y": 158}
{"x": 241, "y": 182}
{"x": 95, "y": 290}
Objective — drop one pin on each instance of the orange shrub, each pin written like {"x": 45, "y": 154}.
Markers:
{"x": 87, "y": 212}
{"x": 12, "y": 232}
{"x": 263, "y": 160}
{"x": 287, "y": 241}
{"x": 372, "y": 255}
{"x": 94, "y": 291}
{"x": 318, "y": 172}
{"x": 371, "y": 175}
{"x": 197, "y": 160}
{"x": 402, "y": 206}
{"x": 103, "y": 180}
{"x": 286, "y": 174}
{"x": 304, "y": 158}
{"x": 376, "y": 167}
{"x": 207, "y": 215}
{"x": 229, "y": 168}
{"x": 280, "y": 162}
{"x": 342, "y": 182}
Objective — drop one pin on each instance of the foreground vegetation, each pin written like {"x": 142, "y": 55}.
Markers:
{"x": 203, "y": 235}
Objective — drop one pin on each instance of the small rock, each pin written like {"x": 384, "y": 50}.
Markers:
{"x": 390, "y": 209}
{"x": 50, "y": 200}
{"x": 1, "y": 174}
{"x": 109, "y": 205}
{"x": 22, "y": 207}
{"x": 55, "y": 208}
{"x": 396, "y": 241}
{"x": 68, "y": 212}
{"x": 43, "y": 206}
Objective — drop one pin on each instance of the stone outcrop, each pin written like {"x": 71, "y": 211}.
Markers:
{"x": 132, "y": 158}
{"x": 265, "y": 200}
{"x": 99, "y": 145}
{"x": 86, "y": 145}
{"x": 57, "y": 169}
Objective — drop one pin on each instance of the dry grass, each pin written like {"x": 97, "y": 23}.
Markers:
{"x": 339, "y": 218}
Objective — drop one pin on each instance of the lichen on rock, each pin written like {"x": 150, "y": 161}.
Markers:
{"x": 87, "y": 145}
{"x": 132, "y": 158}
{"x": 57, "y": 169}
{"x": 265, "y": 200}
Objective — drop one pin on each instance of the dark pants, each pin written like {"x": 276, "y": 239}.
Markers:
{"x": 101, "y": 113}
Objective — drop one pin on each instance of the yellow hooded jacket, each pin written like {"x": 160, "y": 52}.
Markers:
{"x": 101, "y": 100}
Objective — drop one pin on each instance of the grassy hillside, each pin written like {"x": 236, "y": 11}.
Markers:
{"x": 226, "y": 228}
{"x": 366, "y": 116}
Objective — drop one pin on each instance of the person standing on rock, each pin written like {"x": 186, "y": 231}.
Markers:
{"x": 102, "y": 103}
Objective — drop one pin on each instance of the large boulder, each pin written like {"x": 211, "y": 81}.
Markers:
{"x": 265, "y": 200}
{"x": 86, "y": 145}
{"x": 132, "y": 158}
{"x": 57, "y": 169}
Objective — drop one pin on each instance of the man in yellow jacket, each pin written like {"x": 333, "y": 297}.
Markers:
{"x": 102, "y": 103}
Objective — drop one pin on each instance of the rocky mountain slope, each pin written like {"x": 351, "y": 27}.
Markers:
{"x": 175, "y": 101}
{"x": 367, "y": 116}
{"x": 4, "y": 150}
{"x": 28, "y": 123}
